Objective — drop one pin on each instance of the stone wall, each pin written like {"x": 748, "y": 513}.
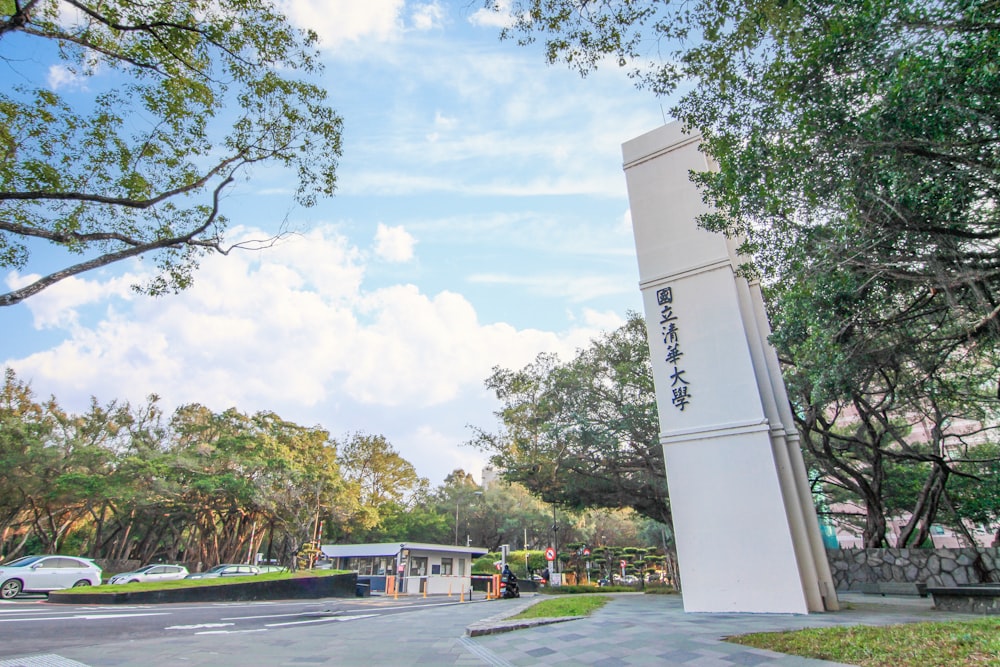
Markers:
{"x": 854, "y": 568}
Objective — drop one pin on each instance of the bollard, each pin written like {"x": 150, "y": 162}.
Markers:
{"x": 449, "y": 589}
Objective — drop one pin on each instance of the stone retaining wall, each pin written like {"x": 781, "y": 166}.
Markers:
{"x": 854, "y": 568}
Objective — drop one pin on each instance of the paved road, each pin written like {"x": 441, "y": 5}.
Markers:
{"x": 633, "y": 629}
{"x": 34, "y": 626}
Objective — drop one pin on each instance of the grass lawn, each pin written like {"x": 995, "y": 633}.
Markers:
{"x": 945, "y": 644}
{"x": 194, "y": 583}
{"x": 571, "y": 605}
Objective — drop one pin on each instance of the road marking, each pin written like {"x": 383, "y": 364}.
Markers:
{"x": 85, "y": 617}
{"x": 321, "y": 620}
{"x": 46, "y": 660}
{"x": 230, "y": 632}
{"x": 302, "y": 613}
{"x": 483, "y": 653}
{"x": 199, "y": 625}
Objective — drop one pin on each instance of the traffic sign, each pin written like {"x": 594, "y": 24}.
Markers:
{"x": 586, "y": 551}
{"x": 550, "y": 554}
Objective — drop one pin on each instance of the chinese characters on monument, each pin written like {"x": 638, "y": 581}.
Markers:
{"x": 671, "y": 338}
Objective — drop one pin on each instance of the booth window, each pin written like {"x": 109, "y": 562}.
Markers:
{"x": 461, "y": 567}
{"x": 446, "y": 566}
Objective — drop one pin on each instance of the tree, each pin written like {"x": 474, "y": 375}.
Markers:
{"x": 865, "y": 132}
{"x": 381, "y": 478}
{"x": 584, "y": 434}
{"x": 180, "y": 100}
{"x": 975, "y": 497}
{"x": 858, "y": 154}
{"x": 885, "y": 391}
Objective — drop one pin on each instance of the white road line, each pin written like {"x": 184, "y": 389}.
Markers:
{"x": 85, "y": 617}
{"x": 332, "y": 619}
{"x": 229, "y": 632}
{"x": 303, "y": 613}
{"x": 46, "y": 660}
{"x": 199, "y": 625}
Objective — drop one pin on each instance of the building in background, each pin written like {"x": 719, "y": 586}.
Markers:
{"x": 411, "y": 568}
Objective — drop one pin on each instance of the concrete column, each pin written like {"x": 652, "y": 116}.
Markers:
{"x": 743, "y": 528}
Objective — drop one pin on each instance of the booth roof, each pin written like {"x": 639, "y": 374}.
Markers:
{"x": 393, "y": 548}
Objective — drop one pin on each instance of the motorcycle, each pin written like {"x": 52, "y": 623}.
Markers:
{"x": 508, "y": 586}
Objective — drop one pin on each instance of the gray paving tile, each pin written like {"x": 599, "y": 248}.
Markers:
{"x": 646, "y": 630}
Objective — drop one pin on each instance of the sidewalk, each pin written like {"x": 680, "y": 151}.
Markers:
{"x": 654, "y": 630}
{"x": 632, "y": 629}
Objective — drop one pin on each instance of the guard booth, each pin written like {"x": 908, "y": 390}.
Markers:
{"x": 409, "y": 568}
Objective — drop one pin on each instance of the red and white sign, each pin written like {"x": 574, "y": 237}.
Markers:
{"x": 586, "y": 552}
{"x": 622, "y": 563}
{"x": 550, "y": 554}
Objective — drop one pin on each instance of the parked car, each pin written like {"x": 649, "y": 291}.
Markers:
{"x": 264, "y": 569}
{"x": 41, "y": 574}
{"x": 155, "y": 572}
{"x": 226, "y": 570}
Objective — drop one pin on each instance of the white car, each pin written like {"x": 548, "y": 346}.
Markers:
{"x": 151, "y": 573}
{"x": 41, "y": 574}
{"x": 226, "y": 570}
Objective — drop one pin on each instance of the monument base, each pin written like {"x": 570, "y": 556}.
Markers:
{"x": 734, "y": 549}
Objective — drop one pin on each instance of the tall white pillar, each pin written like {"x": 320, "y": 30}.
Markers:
{"x": 746, "y": 530}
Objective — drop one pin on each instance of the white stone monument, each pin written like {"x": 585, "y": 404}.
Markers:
{"x": 746, "y": 530}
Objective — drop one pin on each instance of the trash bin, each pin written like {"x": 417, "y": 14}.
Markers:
{"x": 362, "y": 590}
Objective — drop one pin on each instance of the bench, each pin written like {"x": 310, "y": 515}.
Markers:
{"x": 884, "y": 588}
{"x": 967, "y": 598}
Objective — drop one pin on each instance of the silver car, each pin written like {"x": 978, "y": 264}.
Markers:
{"x": 41, "y": 574}
{"x": 151, "y": 573}
{"x": 226, "y": 570}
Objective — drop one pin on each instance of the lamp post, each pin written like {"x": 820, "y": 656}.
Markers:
{"x": 458, "y": 501}
{"x": 555, "y": 538}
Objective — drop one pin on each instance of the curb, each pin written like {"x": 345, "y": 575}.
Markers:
{"x": 497, "y": 627}
{"x": 499, "y": 623}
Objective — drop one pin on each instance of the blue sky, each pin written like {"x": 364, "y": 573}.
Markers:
{"x": 481, "y": 218}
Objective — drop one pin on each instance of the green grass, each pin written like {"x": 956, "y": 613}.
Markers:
{"x": 576, "y": 605}
{"x": 941, "y": 644}
{"x": 195, "y": 583}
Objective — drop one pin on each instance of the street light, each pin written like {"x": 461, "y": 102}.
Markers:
{"x": 458, "y": 500}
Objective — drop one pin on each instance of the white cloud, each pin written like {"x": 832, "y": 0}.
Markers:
{"x": 290, "y": 326}
{"x": 444, "y": 122}
{"x": 61, "y": 76}
{"x": 427, "y": 16}
{"x": 430, "y": 444}
{"x": 492, "y": 18}
{"x": 625, "y": 222}
{"x": 608, "y": 320}
{"x": 340, "y": 21}
{"x": 394, "y": 244}
{"x": 58, "y": 306}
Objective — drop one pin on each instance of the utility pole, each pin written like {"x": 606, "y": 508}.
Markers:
{"x": 555, "y": 538}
